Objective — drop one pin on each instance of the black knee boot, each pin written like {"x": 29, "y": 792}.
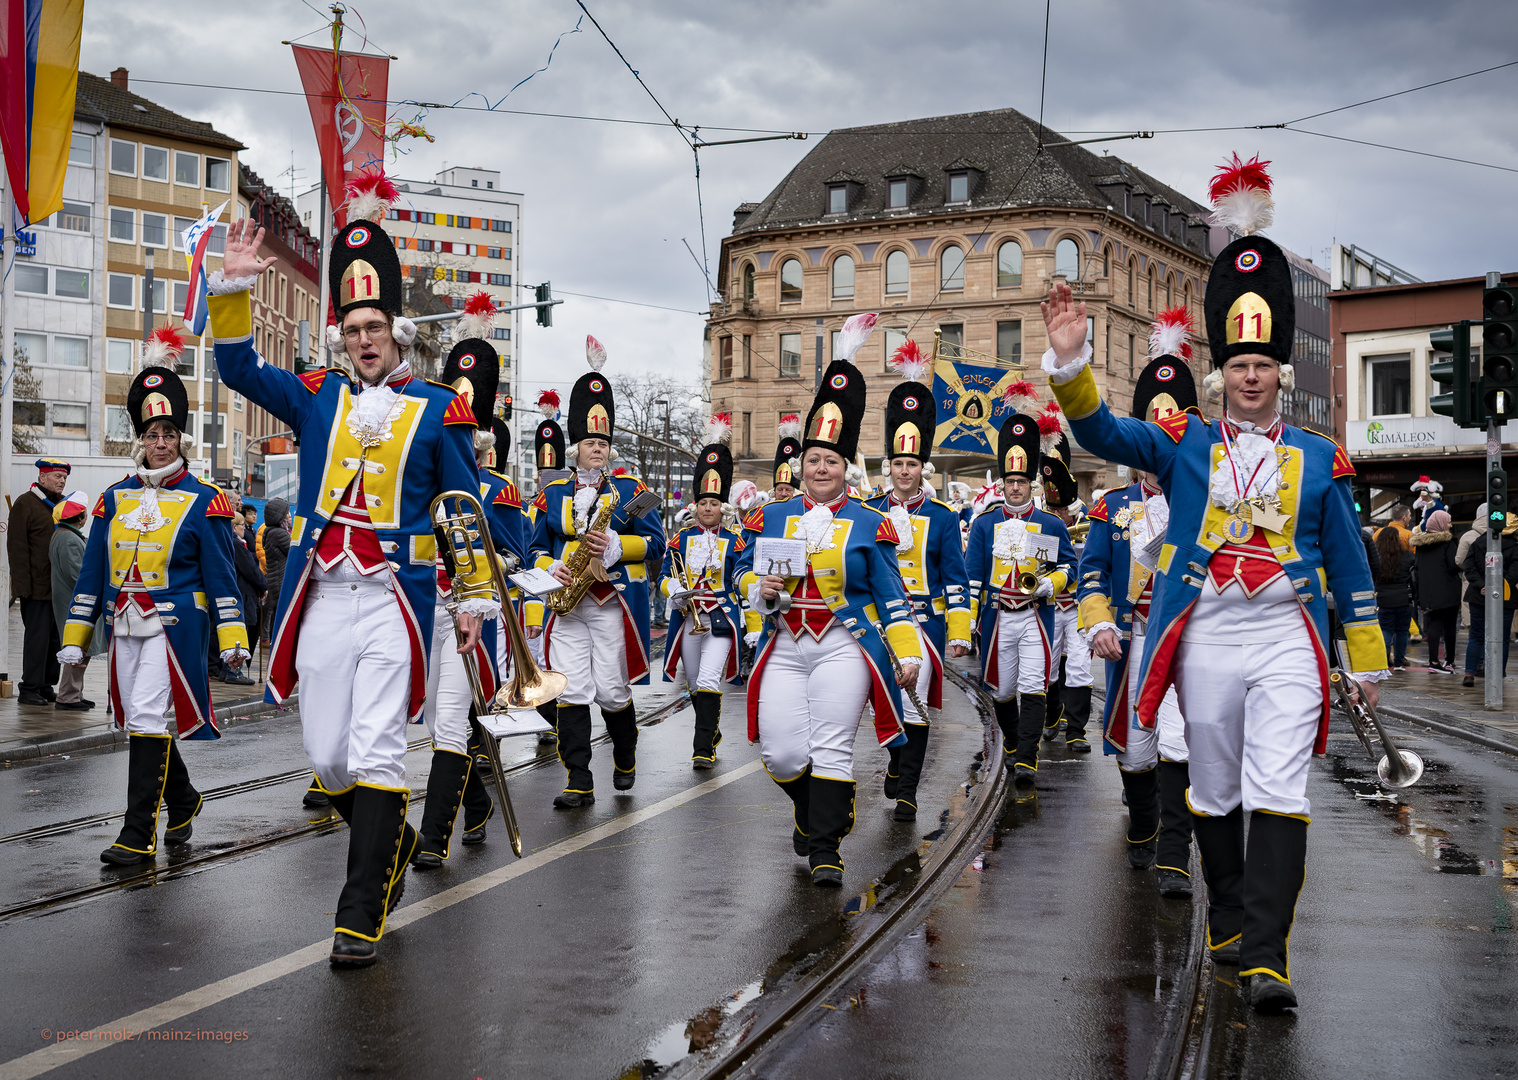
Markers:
{"x": 830, "y": 819}
{"x": 181, "y": 801}
{"x": 478, "y": 806}
{"x": 147, "y": 773}
{"x": 1077, "y": 708}
{"x": 1030, "y": 725}
{"x": 799, "y": 790}
{"x": 549, "y": 712}
{"x": 1055, "y": 711}
{"x": 379, "y": 846}
{"x": 708, "y": 707}
{"x": 1274, "y": 868}
{"x": 1006, "y": 720}
{"x": 1142, "y": 789}
{"x": 1220, "y": 843}
{"x": 574, "y": 753}
{"x": 445, "y": 793}
{"x": 1173, "y": 856}
{"x": 622, "y": 726}
{"x": 893, "y": 771}
{"x": 913, "y": 754}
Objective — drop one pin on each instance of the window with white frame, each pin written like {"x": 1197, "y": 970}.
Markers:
{"x": 31, "y": 345}
{"x": 843, "y": 277}
{"x": 895, "y": 338}
{"x": 1389, "y": 385}
{"x": 120, "y": 291}
{"x": 123, "y": 225}
{"x": 68, "y": 351}
{"x": 155, "y": 230}
{"x": 186, "y": 169}
{"x": 790, "y": 356}
{"x": 81, "y": 149}
{"x": 1067, "y": 260}
{"x": 181, "y": 296}
{"x": 180, "y": 225}
{"x": 31, "y": 279}
{"x": 155, "y": 163}
{"x": 160, "y": 295}
{"x": 205, "y": 429}
{"x": 118, "y": 357}
{"x": 951, "y": 265}
{"x": 218, "y": 174}
{"x": 69, "y": 421}
{"x": 898, "y": 273}
{"x": 185, "y": 367}
{"x": 118, "y": 424}
{"x": 123, "y": 157}
{"x": 71, "y": 284}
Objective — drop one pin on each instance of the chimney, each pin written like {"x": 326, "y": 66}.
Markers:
{"x": 119, "y": 78}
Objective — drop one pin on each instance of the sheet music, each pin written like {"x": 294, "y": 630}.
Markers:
{"x": 535, "y": 581}
{"x": 775, "y": 555}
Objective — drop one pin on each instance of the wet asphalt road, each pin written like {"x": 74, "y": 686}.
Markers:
{"x": 1048, "y": 957}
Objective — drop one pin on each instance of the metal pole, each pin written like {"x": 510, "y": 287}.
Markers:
{"x": 817, "y": 375}
{"x": 1494, "y": 620}
{"x": 147, "y": 299}
{"x": 326, "y": 255}
{"x": 667, "y": 486}
{"x": 215, "y": 418}
{"x": 7, "y": 403}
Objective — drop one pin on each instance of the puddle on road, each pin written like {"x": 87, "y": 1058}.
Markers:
{"x": 698, "y": 1033}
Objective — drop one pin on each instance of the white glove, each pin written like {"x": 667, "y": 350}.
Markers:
{"x": 751, "y": 639}
{"x": 1045, "y": 588}
{"x": 72, "y": 655}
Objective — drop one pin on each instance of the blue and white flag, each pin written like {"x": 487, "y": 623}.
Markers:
{"x": 197, "y": 239}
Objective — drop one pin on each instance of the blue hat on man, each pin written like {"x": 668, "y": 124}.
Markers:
{"x": 46, "y": 464}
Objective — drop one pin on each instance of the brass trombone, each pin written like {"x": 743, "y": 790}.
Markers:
{"x": 1397, "y": 768}
{"x": 461, "y": 524}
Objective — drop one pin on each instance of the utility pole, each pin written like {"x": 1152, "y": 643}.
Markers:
{"x": 817, "y": 376}
{"x": 147, "y": 298}
{"x": 7, "y": 402}
{"x": 1497, "y": 387}
{"x": 665, "y": 515}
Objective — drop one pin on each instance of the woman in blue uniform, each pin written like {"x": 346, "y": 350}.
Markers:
{"x": 704, "y": 627}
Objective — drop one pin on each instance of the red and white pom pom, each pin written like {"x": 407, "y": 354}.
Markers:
{"x": 595, "y": 353}
{"x": 718, "y": 429}
{"x": 478, "y": 317}
{"x": 548, "y": 403}
{"x": 1240, "y": 195}
{"x": 908, "y": 360}
{"x": 1049, "y": 428}
{"x": 854, "y": 334}
{"x": 163, "y": 349}
{"x": 790, "y": 426}
{"x": 1021, "y": 396}
{"x": 1169, "y": 335}
{"x": 370, "y": 195}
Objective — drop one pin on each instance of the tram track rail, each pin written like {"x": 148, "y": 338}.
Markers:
{"x": 153, "y": 873}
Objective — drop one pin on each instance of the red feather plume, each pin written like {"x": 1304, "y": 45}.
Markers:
{"x": 548, "y": 402}
{"x": 481, "y": 303}
{"x": 370, "y": 194}
{"x": 1021, "y": 395}
{"x": 1048, "y": 420}
{"x": 1238, "y": 174}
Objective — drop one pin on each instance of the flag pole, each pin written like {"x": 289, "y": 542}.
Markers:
{"x": 7, "y": 416}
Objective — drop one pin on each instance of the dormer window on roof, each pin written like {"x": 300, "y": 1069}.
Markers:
{"x": 898, "y": 193}
{"x": 838, "y": 198}
{"x": 959, "y": 187}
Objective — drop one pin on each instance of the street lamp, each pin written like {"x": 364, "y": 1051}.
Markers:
{"x": 665, "y": 403}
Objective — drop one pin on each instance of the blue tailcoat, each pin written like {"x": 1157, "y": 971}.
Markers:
{"x": 1103, "y": 594}
{"x": 729, "y": 608}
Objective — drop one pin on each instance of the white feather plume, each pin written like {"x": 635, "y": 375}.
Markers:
{"x": 718, "y": 430}
{"x": 1245, "y": 210}
{"x": 595, "y": 353}
{"x": 854, "y": 334}
{"x": 1166, "y": 339}
{"x": 791, "y": 428}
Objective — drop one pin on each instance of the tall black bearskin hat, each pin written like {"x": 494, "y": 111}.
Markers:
{"x": 473, "y": 368}
{"x": 1249, "y": 306}
{"x": 838, "y": 408}
{"x": 157, "y": 393}
{"x": 592, "y": 412}
{"x": 1166, "y": 386}
{"x": 500, "y": 452}
{"x": 1017, "y": 446}
{"x": 548, "y": 443}
{"x": 911, "y": 415}
{"x": 1060, "y": 488}
{"x": 787, "y": 449}
{"x": 714, "y": 468}
{"x": 364, "y": 269}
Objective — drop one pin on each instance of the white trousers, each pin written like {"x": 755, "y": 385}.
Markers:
{"x": 448, "y": 696}
{"x": 811, "y": 696}
{"x": 142, "y": 676}
{"x": 1070, "y": 643}
{"x": 354, "y": 665}
{"x": 705, "y": 658}
{"x": 1252, "y": 716}
{"x": 1021, "y": 655}
{"x": 1167, "y": 739}
{"x": 587, "y": 646}
{"x": 924, "y": 681}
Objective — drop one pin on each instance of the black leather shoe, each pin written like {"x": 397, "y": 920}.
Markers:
{"x": 829, "y": 877}
{"x": 426, "y": 860}
{"x": 1023, "y": 777}
{"x": 547, "y": 738}
{"x": 1226, "y": 955}
{"x": 1141, "y": 856}
{"x": 1080, "y": 746}
{"x": 623, "y": 780}
{"x": 31, "y": 697}
{"x": 1269, "y": 995}
{"x": 569, "y": 800}
{"x": 352, "y": 952}
{"x": 74, "y": 706}
{"x": 904, "y": 811}
{"x": 799, "y": 842}
{"x": 238, "y": 678}
{"x": 1173, "y": 885}
{"x": 475, "y": 835}
{"x": 1051, "y": 733}
{"x": 119, "y": 856}
{"x": 315, "y": 800}
{"x": 699, "y": 762}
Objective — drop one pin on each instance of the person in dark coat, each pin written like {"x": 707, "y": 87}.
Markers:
{"x": 251, "y": 580}
{"x": 1394, "y": 594}
{"x": 1437, "y": 589}
{"x": 1474, "y": 569}
{"x": 28, "y": 536}
{"x": 66, "y": 554}
{"x": 276, "y": 544}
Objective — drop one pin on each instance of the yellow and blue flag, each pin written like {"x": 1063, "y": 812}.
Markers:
{"x": 39, "y": 73}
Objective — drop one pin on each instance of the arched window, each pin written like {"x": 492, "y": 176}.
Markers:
{"x": 843, "y": 277}
{"x": 1009, "y": 265}
{"x": 790, "y": 281}
{"x": 1132, "y": 270}
{"x": 1168, "y": 280}
{"x": 1150, "y": 300}
{"x": 898, "y": 273}
{"x": 1106, "y": 262}
{"x": 748, "y": 281}
{"x": 951, "y": 268}
{"x": 1067, "y": 260}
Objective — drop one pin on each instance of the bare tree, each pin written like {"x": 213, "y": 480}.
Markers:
{"x": 29, "y": 413}
{"x": 431, "y": 292}
{"x": 636, "y": 396}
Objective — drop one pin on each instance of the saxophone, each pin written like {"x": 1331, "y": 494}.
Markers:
{"x": 584, "y": 571}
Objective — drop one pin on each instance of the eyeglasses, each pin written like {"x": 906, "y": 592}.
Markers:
{"x": 167, "y": 438}
{"x": 374, "y": 330}
{"x": 1255, "y": 366}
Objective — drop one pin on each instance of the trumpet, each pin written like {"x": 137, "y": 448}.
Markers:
{"x": 1397, "y": 768}
{"x": 698, "y": 623}
{"x": 459, "y": 521}
{"x": 1079, "y": 530}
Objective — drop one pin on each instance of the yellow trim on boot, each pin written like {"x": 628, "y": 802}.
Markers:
{"x": 1220, "y": 944}
{"x": 1151, "y": 838}
{"x": 199, "y": 805}
{"x": 163, "y": 784}
{"x": 1265, "y": 971}
{"x": 1276, "y": 813}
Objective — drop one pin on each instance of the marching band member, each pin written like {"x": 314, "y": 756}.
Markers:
{"x": 1070, "y": 690}
{"x": 354, "y": 625}
{"x": 931, "y": 560}
{"x": 1262, "y": 526}
{"x": 1016, "y": 623}
{"x": 704, "y": 556}
{"x": 823, "y": 653}
{"x": 159, "y": 564}
{"x": 1116, "y": 592}
{"x": 602, "y": 644}
{"x": 787, "y": 450}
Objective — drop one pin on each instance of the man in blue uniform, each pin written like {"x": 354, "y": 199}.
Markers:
{"x": 1070, "y": 687}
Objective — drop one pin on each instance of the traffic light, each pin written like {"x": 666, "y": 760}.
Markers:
{"x": 1499, "y": 354}
{"x": 1460, "y": 400}
{"x": 506, "y": 407}
{"x": 544, "y": 295}
{"x": 1496, "y": 500}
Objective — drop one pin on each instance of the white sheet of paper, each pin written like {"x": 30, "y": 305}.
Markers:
{"x": 776, "y": 555}
{"x": 1041, "y": 546}
{"x": 515, "y": 722}
{"x": 535, "y": 581}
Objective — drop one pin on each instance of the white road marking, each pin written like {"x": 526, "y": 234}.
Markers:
{"x": 57, "y": 1054}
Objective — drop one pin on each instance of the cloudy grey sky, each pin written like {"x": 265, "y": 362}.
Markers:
{"x": 608, "y": 204}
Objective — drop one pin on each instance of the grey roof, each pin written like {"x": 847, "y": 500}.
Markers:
{"x": 1002, "y": 144}
{"x": 103, "y": 101}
